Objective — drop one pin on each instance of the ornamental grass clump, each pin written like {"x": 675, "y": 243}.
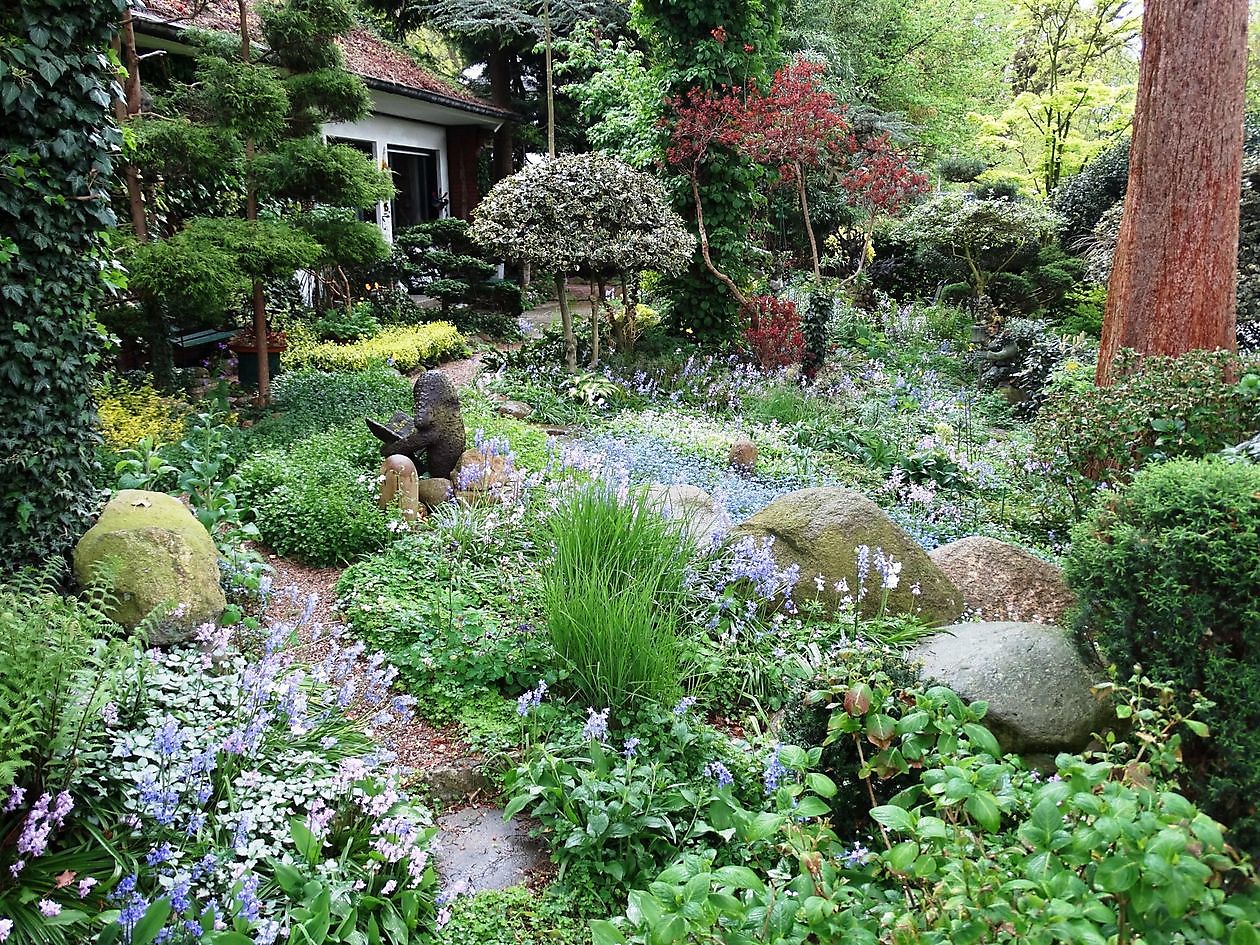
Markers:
{"x": 613, "y": 596}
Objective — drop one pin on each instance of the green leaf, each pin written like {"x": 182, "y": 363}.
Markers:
{"x": 820, "y": 784}
{"x": 151, "y": 923}
{"x": 894, "y": 818}
{"x": 811, "y": 807}
{"x": 982, "y": 739}
{"x": 741, "y": 877}
{"x": 604, "y": 932}
{"x": 1116, "y": 874}
{"x": 983, "y": 807}
{"x": 516, "y": 805}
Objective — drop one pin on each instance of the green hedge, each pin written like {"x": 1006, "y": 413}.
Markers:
{"x": 1168, "y": 575}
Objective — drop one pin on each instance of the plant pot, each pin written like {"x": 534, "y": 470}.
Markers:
{"x": 247, "y": 363}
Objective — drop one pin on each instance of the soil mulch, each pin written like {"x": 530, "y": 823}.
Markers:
{"x": 419, "y": 745}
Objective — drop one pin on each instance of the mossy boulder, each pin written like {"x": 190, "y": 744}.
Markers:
{"x": 153, "y": 552}
{"x": 821, "y": 531}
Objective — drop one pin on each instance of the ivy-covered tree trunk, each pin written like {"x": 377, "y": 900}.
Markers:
{"x": 56, "y": 135}
{"x": 1172, "y": 283}
{"x": 708, "y": 44}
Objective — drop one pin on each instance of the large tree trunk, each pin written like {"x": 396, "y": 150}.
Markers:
{"x": 1173, "y": 282}
{"x": 498, "y": 66}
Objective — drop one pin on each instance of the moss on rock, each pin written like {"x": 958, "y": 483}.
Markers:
{"x": 821, "y": 530}
{"x": 153, "y": 552}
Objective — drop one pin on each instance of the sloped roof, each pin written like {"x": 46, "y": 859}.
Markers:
{"x": 368, "y": 55}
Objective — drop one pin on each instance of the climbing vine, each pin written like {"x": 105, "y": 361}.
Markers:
{"x": 56, "y": 143}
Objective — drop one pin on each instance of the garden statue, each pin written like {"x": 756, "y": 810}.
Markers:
{"x": 400, "y": 486}
{"x": 434, "y": 438}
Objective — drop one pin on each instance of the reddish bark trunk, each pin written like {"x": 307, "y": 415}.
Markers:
{"x": 1173, "y": 282}
{"x": 499, "y": 69}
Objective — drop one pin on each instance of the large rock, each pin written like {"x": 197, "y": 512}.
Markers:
{"x": 698, "y": 512}
{"x": 999, "y": 581}
{"x": 1035, "y": 680}
{"x": 158, "y": 553}
{"x": 821, "y": 530}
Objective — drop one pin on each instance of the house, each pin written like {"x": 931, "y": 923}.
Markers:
{"x": 426, "y": 131}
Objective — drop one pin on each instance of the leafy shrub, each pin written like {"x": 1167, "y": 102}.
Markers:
{"x": 436, "y": 604}
{"x": 776, "y": 340}
{"x": 978, "y": 850}
{"x": 315, "y": 501}
{"x": 1166, "y": 575}
{"x": 514, "y": 916}
{"x": 1157, "y": 408}
{"x": 1081, "y": 200}
{"x": 310, "y": 401}
{"x": 341, "y": 324}
{"x": 615, "y": 815}
{"x": 130, "y": 412}
{"x": 404, "y": 348}
{"x": 612, "y": 593}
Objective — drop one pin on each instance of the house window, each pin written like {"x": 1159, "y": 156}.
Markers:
{"x": 368, "y": 148}
{"x": 419, "y": 197}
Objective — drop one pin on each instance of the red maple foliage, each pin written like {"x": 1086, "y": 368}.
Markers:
{"x": 774, "y": 335}
{"x": 794, "y": 127}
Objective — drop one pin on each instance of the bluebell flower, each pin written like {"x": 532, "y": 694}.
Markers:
{"x": 720, "y": 773}
{"x": 596, "y": 726}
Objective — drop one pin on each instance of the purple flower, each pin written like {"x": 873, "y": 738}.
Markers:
{"x": 631, "y": 747}
{"x": 596, "y": 726}
{"x": 85, "y": 886}
{"x": 169, "y": 738}
{"x": 719, "y": 773}
{"x": 6, "y": 927}
{"x": 48, "y": 908}
{"x": 684, "y": 705}
{"x": 773, "y": 773}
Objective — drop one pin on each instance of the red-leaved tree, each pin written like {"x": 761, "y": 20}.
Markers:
{"x": 793, "y": 128}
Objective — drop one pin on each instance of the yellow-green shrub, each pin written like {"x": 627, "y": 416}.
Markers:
{"x": 130, "y": 412}
{"x": 405, "y": 348}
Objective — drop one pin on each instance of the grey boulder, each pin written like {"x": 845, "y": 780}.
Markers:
{"x": 1035, "y": 680}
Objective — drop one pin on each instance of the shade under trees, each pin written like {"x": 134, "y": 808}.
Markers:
{"x": 1172, "y": 282}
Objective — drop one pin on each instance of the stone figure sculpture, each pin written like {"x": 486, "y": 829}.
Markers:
{"x": 433, "y": 439}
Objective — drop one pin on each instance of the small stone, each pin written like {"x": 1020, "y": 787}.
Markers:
{"x": 743, "y": 457}
{"x": 698, "y": 512}
{"x": 400, "y": 486}
{"x": 433, "y": 492}
{"x": 516, "y": 409}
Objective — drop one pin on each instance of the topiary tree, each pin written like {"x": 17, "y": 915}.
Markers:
{"x": 58, "y": 139}
{"x": 583, "y": 214}
{"x": 985, "y": 235}
{"x": 1166, "y": 575}
{"x": 255, "y": 114}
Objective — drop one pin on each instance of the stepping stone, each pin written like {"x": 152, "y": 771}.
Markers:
{"x": 480, "y": 850}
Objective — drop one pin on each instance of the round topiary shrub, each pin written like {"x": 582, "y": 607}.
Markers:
{"x": 1168, "y": 576}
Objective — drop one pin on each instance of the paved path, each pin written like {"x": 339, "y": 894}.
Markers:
{"x": 479, "y": 850}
